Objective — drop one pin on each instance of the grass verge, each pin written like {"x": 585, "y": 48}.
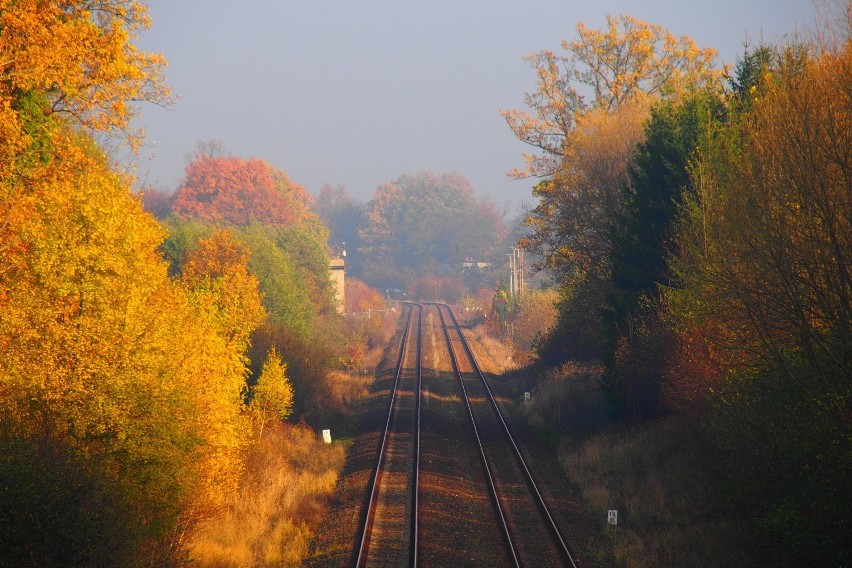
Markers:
{"x": 659, "y": 479}
{"x": 289, "y": 479}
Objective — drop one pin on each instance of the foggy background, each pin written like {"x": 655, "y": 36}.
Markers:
{"x": 357, "y": 93}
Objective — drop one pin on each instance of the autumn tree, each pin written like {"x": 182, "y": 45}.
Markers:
{"x": 233, "y": 190}
{"x": 68, "y": 62}
{"x": 362, "y": 298}
{"x": 89, "y": 375}
{"x": 156, "y": 202}
{"x": 764, "y": 257}
{"x": 584, "y": 149}
{"x": 628, "y": 60}
{"x": 103, "y": 357}
{"x": 584, "y": 146}
{"x": 286, "y": 281}
{"x": 217, "y": 273}
{"x": 659, "y": 175}
{"x": 308, "y": 250}
{"x": 569, "y": 229}
{"x": 535, "y": 316}
{"x": 366, "y": 324}
{"x": 272, "y": 396}
{"x": 124, "y": 419}
{"x": 76, "y": 60}
{"x": 768, "y": 235}
{"x": 643, "y": 239}
{"x": 289, "y": 265}
{"x": 308, "y": 359}
{"x": 430, "y": 287}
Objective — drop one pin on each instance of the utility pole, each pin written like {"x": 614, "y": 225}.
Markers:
{"x": 512, "y": 290}
{"x": 516, "y": 272}
{"x": 520, "y": 267}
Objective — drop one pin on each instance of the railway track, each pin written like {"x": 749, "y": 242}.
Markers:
{"x": 385, "y": 536}
{"x": 451, "y": 485}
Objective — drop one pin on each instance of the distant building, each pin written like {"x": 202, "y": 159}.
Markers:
{"x": 338, "y": 276}
{"x": 471, "y": 264}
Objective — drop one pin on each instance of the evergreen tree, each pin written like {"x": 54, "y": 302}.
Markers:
{"x": 642, "y": 239}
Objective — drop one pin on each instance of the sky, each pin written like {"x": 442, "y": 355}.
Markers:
{"x": 360, "y": 92}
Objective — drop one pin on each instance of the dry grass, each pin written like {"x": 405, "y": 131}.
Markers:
{"x": 657, "y": 477}
{"x": 289, "y": 479}
{"x": 347, "y": 388}
{"x": 668, "y": 511}
{"x": 567, "y": 400}
{"x": 494, "y": 356}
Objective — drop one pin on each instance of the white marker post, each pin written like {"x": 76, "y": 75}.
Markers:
{"x": 526, "y": 395}
{"x": 326, "y": 436}
{"x": 612, "y": 517}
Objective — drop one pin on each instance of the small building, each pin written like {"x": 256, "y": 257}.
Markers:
{"x": 337, "y": 267}
{"x": 471, "y": 264}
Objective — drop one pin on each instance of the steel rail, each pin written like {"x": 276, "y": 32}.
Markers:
{"x": 414, "y": 546}
{"x": 369, "y": 512}
{"x": 562, "y": 547}
{"x": 491, "y": 485}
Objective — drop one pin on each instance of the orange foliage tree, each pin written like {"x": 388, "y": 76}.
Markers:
{"x": 217, "y": 272}
{"x": 240, "y": 191}
{"x": 73, "y": 59}
{"x": 767, "y": 231}
{"x": 584, "y": 149}
{"x": 103, "y": 358}
{"x": 585, "y": 146}
{"x": 364, "y": 332}
{"x": 764, "y": 262}
{"x": 362, "y": 298}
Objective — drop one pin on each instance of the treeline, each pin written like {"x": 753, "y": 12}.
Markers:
{"x": 416, "y": 232}
{"x": 256, "y": 212}
{"x": 140, "y": 363}
{"x": 413, "y": 235}
{"x": 700, "y": 225}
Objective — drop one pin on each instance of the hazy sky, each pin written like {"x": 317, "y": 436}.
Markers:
{"x": 358, "y": 92}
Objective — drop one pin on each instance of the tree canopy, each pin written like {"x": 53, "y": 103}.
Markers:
{"x": 104, "y": 355}
{"x": 630, "y": 59}
{"x": 422, "y": 220}
{"x": 238, "y": 191}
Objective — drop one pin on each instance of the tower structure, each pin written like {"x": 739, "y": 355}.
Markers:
{"x": 337, "y": 267}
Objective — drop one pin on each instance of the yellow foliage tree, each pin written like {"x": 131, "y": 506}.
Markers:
{"x": 628, "y": 59}
{"x": 217, "y": 272}
{"x": 569, "y": 228}
{"x": 78, "y": 55}
{"x": 632, "y": 58}
{"x": 767, "y": 239}
{"x": 138, "y": 376}
{"x": 101, "y": 350}
{"x": 68, "y": 61}
{"x": 273, "y": 394}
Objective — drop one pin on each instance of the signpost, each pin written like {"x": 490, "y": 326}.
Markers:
{"x": 612, "y": 517}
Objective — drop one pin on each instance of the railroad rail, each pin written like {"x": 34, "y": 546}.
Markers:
{"x": 389, "y": 439}
{"x": 534, "y": 490}
{"x": 395, "y": 482}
